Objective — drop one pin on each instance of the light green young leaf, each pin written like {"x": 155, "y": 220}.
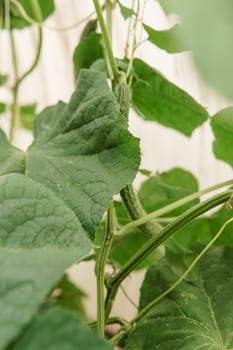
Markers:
{"x": 157, "y": 99}
{"x": 222, "y": 126}
{"x": 38, "y": 10}
{"x": 61, "y": 330}
{"x": 208, "y": 31}
{"x": 125, "y": 11}
{"x": 27, "y": 115}
{"x": 83, "y": 151}
{"x": 169, "y": 40}
{"x": 88, "y": 51}
{"x": 39, "y": 238}
{"x": 196, "y": 315}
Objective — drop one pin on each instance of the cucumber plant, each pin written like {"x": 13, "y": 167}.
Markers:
{"x": 57, "y": 204}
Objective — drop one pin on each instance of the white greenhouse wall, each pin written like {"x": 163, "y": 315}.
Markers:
{"x": 162, "y": 148}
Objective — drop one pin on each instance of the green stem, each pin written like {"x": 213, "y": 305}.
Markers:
{"x": 36, "y": 59}
{"x": 100, "y": 268}
{"x": 107, "y": 42}
{"x": 182, "y": 220}
{"x": 136, "y": 211}
{"x": 149, "y": 306}
{"x": 144, "y": 219}
{"x": 109, "y": 8}
{"x": 134, "y": 43}
{"x": 14, "y": 105}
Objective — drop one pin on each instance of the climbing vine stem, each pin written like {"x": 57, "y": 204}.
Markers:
{"x": 182, "y": 220}
{"x": 107, "y": 42}
{"x": 100, "y": 270}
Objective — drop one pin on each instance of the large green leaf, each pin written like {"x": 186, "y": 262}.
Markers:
{"x": 11, "y": 158}
{"x": 222, "y": 126}
{"x": 167, "y": 187}
{"x": 157, "y": 99}
{"x": 61, "y": 330}
{"x": 37, "y": 10}
{"x": 39, "y": 238}
{"x": 83, "y": 150}
{"x": 196, "y": 315}
{"x": 87, "y": 52}
{"x": 169, "y": 40}
{"x": 208, "y": 30}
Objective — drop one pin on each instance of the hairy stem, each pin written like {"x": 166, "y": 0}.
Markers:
{"x": 136, "y": 211}
{"x": 14, "y": 105}
{"x": 36, "y": 59}
{"x": 144, "y": 219}
{"x": 100, "y": 268}
{"x": 156, "y": 241}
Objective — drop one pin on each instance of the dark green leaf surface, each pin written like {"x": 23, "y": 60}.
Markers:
{"x": 83, "y": 150}
{"x": 61, "y": 330}
{"x": 39, "y": 238}
{"x": 222, "y": 126}
{"x": 165, "y": 188}
{"x": 126, "y": 11}
{"x": 210, "y": 42}
{"x": 157, "y": 99}
{"x": 196, "y": 315}
{"x": 87, "y": 52}
{"x": 38, "y": 10}
{"x": 169, "y": 40}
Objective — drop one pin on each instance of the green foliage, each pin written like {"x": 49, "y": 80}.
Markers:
{"x": 11, "y": 158}
{"x": 156, "y": 99}
{"x": 61, "y": 330}
{"x": 83, "y": 153}
{"x": 27, "y": 115}
{"x": 38, "y": 233}
{"x": 37, "y": 10}
{"x": 165, "y": 188}
{"x": 2, "y": 107}
{"x": 194, "y": 314}
{"x": 200, "y": 231}
{"x": 125, "y": 11}
{"x": 58, "y": 196}
{"x": 209, "y": 42}
{"x": 222, "y": 125}
{"x": 169, "y": 40}
{"x": 88, "y": 51}
{"x": 67, "y": 295}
